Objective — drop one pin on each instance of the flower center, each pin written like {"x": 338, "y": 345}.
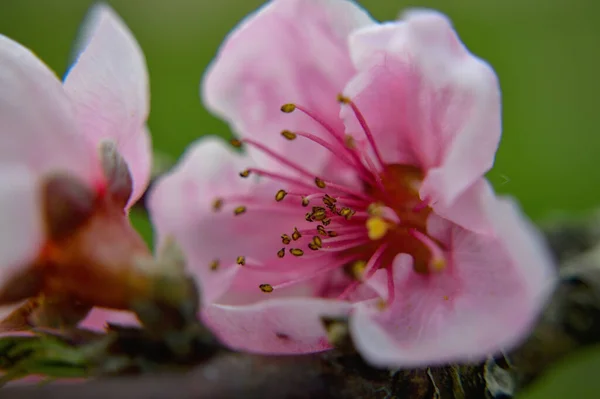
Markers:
{"x": 361, "y": 229}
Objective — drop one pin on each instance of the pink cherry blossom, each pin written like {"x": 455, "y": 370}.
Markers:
{"x": 73, "y": 158}
{"x": 372, "y": 205}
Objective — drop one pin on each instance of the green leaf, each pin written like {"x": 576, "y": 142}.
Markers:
{"x": 576, "y": 377}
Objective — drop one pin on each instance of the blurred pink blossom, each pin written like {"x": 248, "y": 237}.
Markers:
{"x": 74, "y": 157}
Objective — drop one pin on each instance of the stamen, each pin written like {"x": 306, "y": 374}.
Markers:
{"x": 319, "y": 182}
{"x": 326, "y": 267}
{"x": 267, "y": 288}
{"x": 288, "y": 108}
{"x": 438, "y": 260}
{"x": 352, "y": 244}
{"x": 296, "y": 234}
{"x": 281, "y": 253}
{"x": 214, "y": 265}
{"x": 245, "y": 173}
{"x": 350, "y": 141}
{"x": 236, "y": 143}
{"x": 278, "y": 157}
{"x": 357, "y": 269}
{"x": 241, "y": 260}
{"x": 343, "y": 189}
{"x": 305, "y": 201}
{"x": 312, "y": 246}
{"x": 289, "y": 135}
{"x": 277, "y": 176}
{"x": 353, "y": 163}
{"x": 367, "y": 272}
{"x": 317, "y": 241}
{"x": 363, "y": 123}
{"x": 280, "y": 195}
{"x": 217, "y": 204}
{"x": 285, "y": 239}
{"x": 347, "y": 213}
{"x": 239, "y": 210}
{"x": 321, "y": 230}
{"x": 296, "y": 251}
{"x": 377, "y": 227}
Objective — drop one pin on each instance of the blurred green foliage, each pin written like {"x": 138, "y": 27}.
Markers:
{"x": 544, "y": 51}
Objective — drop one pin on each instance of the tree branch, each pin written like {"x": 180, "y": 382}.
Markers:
{"x": 571, "y": 321}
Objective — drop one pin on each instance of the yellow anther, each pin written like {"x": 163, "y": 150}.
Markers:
{"x": 217, "y": 204}
{"x": 317, "y": 241}
{"x": 236, "y": 143}
{"x": 332, "y": 233}
{"x": 329, "y": 201}
{"x": 347, "y": 213}
{"x": 374, "y": 209}
{"x": 245, "y": 173}
{"x": 446, "y": 297}
{"x": 281, "y": 253}
{"x": 321, "y": 230}
{"x": 309, "y": 217}
{"x": 343, "y": 99}
{"x": 438, "y": 264}
{"x": 350, "y": 142}
{"x": 287, "y": 108}
{"x": 296, "y": 251}
{"x": 382, "y": 305}
{"x": 326, "y": 222}
{"x": 357, "y": 269}
{"x": 319, "y": 215}
{"x": 285, "y": 239}
{"x": 305, "y": 201}
{"x": 239, "y": 210}
{"x": 296, "y": 234}
{"x": 280, "y": 195}
{"x": 241, "y": 260}
{"x": 289, "y": 135}
{"x": 266, "y": 288}
{"x": 214, "y": 265}
{"x": 377, "y": 227}
{"x": 320, "y": 183}
{"x": 313, "y": 246}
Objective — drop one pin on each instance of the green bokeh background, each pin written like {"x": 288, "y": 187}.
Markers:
{"x": 546, "y": 53}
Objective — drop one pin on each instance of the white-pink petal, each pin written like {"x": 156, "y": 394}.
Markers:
{"x": 486, "y": 301}
{"x": 428, "y": 101}
{"x": 289, "y": 51}
{"x": 108, "y": 85}
{"x": 38, "y": 127}
{"x": 278, "y": 326}
{"x": 21, "y": 230}
{"x": 98, "y": 319}
{"x": 182, "y": 207}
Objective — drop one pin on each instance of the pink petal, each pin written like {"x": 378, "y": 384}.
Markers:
{"x": 109, "y": 87}
{"x": 427, "y": 100}
{"x": 98, "y": 318}
{"x": 290, "y": 51}
{"x": 278, "y": 326}
{"x": 469, "y": 208}
{"x": 486, "y": 301}
{"x": 38, "y": 127}
{"x": 181, "y": 206}
{"x": 21, "y": 230}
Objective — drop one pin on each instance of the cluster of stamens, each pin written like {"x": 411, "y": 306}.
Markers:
{"x": 360, "y": 230}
